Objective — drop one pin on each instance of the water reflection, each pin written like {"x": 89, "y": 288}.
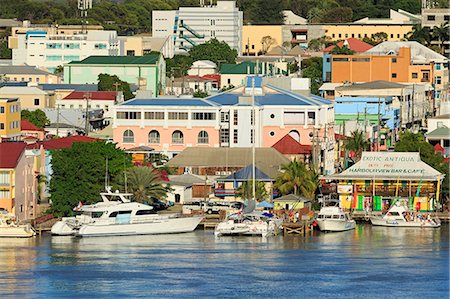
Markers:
{"x": 199, "y": 265}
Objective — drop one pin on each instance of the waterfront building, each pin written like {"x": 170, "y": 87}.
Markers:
{"x": 140, "y": 45}
{"x": 439, "y": 133}
{"x": 191, "y": 26}
{"x": 30, "y": 97}
{"x": 380, "y": 177}
{"x": 44, "y": 50}
{"x": 25, "y": 73}
{"x": 169, "y": 125}
{"x": 292, "y": 202}
{"x": 30, "y": 132}
{"x": 188, "y": 188}
{"x": 147, "y": 72}
{"x": 9, "y": 118}
{"x": 17, "y": 181}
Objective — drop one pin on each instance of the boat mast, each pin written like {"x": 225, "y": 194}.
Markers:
{"x": 253, "y": 141}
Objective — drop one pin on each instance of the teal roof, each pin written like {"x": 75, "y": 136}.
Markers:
{"x": 147, "y": 59}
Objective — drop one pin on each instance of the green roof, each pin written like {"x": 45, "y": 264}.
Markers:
{"x": 441, "y": 133}
{"x": 147, "y": 59}
{"x": 243, "y": 68}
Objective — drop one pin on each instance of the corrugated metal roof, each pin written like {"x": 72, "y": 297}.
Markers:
{"x": 379, "y": 84}
{"x": 168, "y": 102}
{"x": 74, "y": 87}
{"x": 442, "y": 132}
{"x": 21, "y": 90}
{"x": 22, "y": 70}
{"x": 147, "y": 59}
{"x": 95, "y": 95}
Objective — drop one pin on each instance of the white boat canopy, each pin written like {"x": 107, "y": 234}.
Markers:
{"x": 389, "y": 166}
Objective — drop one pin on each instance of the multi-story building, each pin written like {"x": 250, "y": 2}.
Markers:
{"x": 169, "y": 125}
{"x": 9, "y": 118}
{"x": 25, "y": 73}
{"x": 30, "y": 97}
{"x": 190, "y": 26}
{"x": 44, "y": 50}
{"x": 436, "y": 17}
{"x": 23, "y": 28}
{"x": 140, "y": 45}
{"x": 147, "y": 72}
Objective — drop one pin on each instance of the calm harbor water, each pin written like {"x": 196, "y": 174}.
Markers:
{"x": 370, "y": 262}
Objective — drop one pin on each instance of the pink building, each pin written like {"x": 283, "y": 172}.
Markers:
{"x": 169, "y": 125}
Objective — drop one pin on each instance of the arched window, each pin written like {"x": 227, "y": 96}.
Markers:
{"x": 295, "y": 134}
{"x": 128, "y": 136}
{"x": 153, "y": 136}
{"x": 177, "y": 137}
{"x": 203, "y": 137}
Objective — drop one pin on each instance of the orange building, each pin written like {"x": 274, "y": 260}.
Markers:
{"x": 367, "y": 68}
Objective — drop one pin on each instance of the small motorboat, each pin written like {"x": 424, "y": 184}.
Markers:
{"x": 399, "y": 215}
{"x": 248, "y": 224}
{"x": 10, "y": 229}
{"x": 334, "y": 219}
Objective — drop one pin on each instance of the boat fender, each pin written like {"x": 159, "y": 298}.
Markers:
{"x": 366, "y": 218}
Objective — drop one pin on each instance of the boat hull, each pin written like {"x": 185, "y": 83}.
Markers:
{"x": 401, "y": 223}
{"x": 332, "y": 225}
{"x": 61, "y": 228}
{"x": 158, "y": 226}
{"x": 21, "y": 231}
{"x": 262, "y": 229}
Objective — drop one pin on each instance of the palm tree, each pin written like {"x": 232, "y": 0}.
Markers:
{"x": 441, "y": 33}
{"x": 245, "y": 190}
{"x": 145, "y": 183}
{"x": 357, "y": 143}
{"x": 420, "y": 34}
{"x": 297, "y": 179}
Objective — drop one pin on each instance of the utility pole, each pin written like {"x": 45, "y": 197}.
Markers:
{"x": 86, "y": 120}
{"x": 379, "y": 126}
{"x": 365, "y": 121}
{"x": 412, "y": 104}
{"x": 57, "y": 120}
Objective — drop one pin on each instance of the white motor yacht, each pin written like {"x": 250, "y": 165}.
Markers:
{"x": 123, "y": 217}
{"x": 400, "y": 216}
{"x": 10, "y": 229}
{"x": 255, "y": 223}
{"x": 334, "y": 219}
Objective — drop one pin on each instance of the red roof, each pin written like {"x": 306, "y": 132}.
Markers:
{"x": 25, "y": 125}
{"x": 438, "y": 148}
{"x": 11, "y": 153}
{"x": 289, "y": 146}
{"x": 352, "y": 43}
{"x": 214, "y": 77}
{"x": 59, "y": 143}
{"x": 92, "y": 95}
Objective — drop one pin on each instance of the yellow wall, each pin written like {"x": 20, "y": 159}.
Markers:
{"x": 134, "y": 43}
{"x": 253, "y": 34}
{"x": 7, "y": 118}
{"x": 27, "y": 100}
{"x": 294, "y": 205}
{"x": 40, "y": 79}
{"x": 343, "y": 31}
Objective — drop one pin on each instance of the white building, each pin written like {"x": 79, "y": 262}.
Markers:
{"x": 38, "y": 48}
{"x": 190, "y": 26}
{"x": 202, "y": 67}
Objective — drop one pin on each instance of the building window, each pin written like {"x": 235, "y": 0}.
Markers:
{"x": 128, "y": 136}
{"x": 235, "y": 136}
{"x": 229, "y": 81}
{"x": 415, "y": 76}
{"x": 2, "y": 126}
{"x": 203, "y": 137}
{"x": 129, "y": 115}
{"x": 36, "y": 102}
{"x": 295, "y": 134}
{"x": 294, "y": 118}
{"x": 272, "y": 116}
{"x": 438, "y": 80}
{"x": 353, "y": 35}
{"x": 394, "y": 75}
{"x": 333, "y": 35}
{"x": 203, "y": 116}
{"x": 438, "y": 66}
{"x": 177, "y": 137}
{"x": 252, "y": 117}
{"x": 224, "y": 135}
{"x": 425, "y": 77}
{"x": 178, "y": 115}
{"x": 130, "y": 53}
{"x": 235, "y": 117}
{"x": 392, "y": 35}
{"x": 2, "y": 110}
{"x": 272, "y": 133}
{"x": 153, "y": 136}
{"x": 154, "y": 115}
{"x": 340, "y": 35}
{"x": 311, "y": 118}
{"x": 252, "y": 137}
{"x": 446, "y": 18}
{"x": 431, "y": 18}
{"x": 394, "y": 60}
{"x": 224, "y": 116}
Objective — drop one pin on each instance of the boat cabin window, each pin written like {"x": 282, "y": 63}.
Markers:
{"x": 320, "y": 216}
{"x": 145, "y": 212}
{"x": 327, "y": 216}
{"x": 113, "y": 214}
{"x": 342, "y": 217}
{"x": 393, "y": 214}
{"x": 335, "y": 216}
{"x": 96, "y": 214}
{"x": 124, "y": 212}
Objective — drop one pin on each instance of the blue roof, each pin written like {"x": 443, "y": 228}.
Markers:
{"x": 168, "y": 102}
{"x": 14, "y": 84}
{"x": 258, "y": 82}
{"x": 246, "y": 174}
{"x": 75, "y": 87}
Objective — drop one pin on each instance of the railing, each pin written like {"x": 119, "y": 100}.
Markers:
{"x": 198, "y": 35}
{"x": 189, "y": 40}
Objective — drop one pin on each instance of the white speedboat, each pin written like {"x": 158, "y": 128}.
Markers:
{"x": 334, "y": 219}
{"x": 10, "y": 229}
{"x": 255, "y": 223}
{"x": 121, "y": 218}
{"x": 400, "y": 216}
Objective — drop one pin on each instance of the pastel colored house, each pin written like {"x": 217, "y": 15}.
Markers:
{"x": 9, "y": 118}
{"x": 147, "y": 72}
{"x": 30, "y": 97}
{"x": 26, "y": 73}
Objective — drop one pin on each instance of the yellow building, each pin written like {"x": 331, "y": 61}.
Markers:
{"x": 26, "y": 73}
{"x": 252, "y": 38}
{"x": 30, "y": 97}
{"x": 395, "y": 32}
{"x": 9, "y": 119}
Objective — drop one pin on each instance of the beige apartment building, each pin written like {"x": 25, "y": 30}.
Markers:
{"x": 30, "y": 97}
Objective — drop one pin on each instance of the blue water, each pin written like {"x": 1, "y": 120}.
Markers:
{"x": 369, "y": 262}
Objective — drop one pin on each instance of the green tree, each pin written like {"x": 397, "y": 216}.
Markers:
{"x": 5, "y": 52}
{"x": 215, "y": 51}
{"x": 441, "y": 34}
{"x": 357, "y": 143}
{"x": 79, "y": 173}
{"x": 200, "y": 94}
{"x": 319, "y": 43}
{"x": 345, "y": 50}
{"x": 36, "y": 117}
{"x": 107, "y": 82}
{"x": 338, "y": 15}
{"x": 145, "y": 183}
{"x": 376, "y": 39}
{"x": 420, "y": 34}
{"x": 245, "y": 190}
{"x": 312, "y": 68}
{"x": 416, "y": 142}
{"x": 178, "y": 65}
{"x": 296, "y": 178}
{"x": 267, "y": 12}
{"x": 59, "y": 69}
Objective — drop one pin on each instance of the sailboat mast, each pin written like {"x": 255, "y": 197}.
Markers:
{"x": 253, "y": 141}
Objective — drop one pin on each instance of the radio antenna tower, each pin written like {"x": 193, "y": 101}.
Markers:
{"x": 83, "y": 6}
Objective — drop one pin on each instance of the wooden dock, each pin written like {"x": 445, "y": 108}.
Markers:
{"x": 297, "y": 228}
